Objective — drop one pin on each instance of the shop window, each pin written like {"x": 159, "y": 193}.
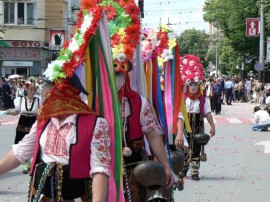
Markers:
{"x": 19, "y": 13}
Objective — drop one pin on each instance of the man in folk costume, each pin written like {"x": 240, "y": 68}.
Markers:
{"x": 138, "y": 121}
{"x": 69, "y": 143}
{"x": 197, "y": 108}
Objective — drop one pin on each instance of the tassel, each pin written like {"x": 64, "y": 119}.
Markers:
{"x": 203, "y": 156}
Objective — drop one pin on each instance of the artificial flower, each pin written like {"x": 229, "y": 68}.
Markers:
{"x": 124, "y": 3}
{"x": 117, "y": 49}
{"x": 86, "y": 4}
{"x": 160, "y": 61}
{"x": 164, "y": 28}
{"x": 121, "y": 57}
{"x": 129, "y": 52}
{"x": 115, "y": 39}
{"x": 172, "y": 43}
{"x": 132, "y": 8}
{"x": 110, "y": 12}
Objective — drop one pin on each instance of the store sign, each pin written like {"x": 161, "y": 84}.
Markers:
{"x": 23, "y": 44}
{"x": 33, "y": 54}
{"x": 17, "y": 64}
{"x": 57, "y": 40}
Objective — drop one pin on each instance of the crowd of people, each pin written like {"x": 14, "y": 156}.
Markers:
{"x": 225, "y": 90}
{"x": 10, "y": 89}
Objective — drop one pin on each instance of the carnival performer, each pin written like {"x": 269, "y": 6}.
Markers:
{"x": 138, "y": 121}
{"x": 27, "y": 106}
{"x": 69, "y": 145}
{"x": 197, "y": 108}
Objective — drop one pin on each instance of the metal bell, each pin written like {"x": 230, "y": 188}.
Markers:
{"x": 150, "y": 174}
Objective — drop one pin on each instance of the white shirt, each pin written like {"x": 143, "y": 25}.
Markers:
{"x": 248, "y": 85}
{"x": 267, "y": 100}
{"x": 99, "y": 159}
{"x": 193, "y": 106}
{"x": 262, "y": 117}
{"x": 20, "y": 105}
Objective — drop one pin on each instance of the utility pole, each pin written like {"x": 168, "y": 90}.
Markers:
{"x": 217, "y": 58}
{"x": 261, "y": 57}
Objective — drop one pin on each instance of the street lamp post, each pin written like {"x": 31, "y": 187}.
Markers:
{"x": 261, "y": 59}
{"x": 217, "y": 50}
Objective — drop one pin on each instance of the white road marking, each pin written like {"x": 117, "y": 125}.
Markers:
{"x": 233, "y": 120}
{"x": 266, "y": 146}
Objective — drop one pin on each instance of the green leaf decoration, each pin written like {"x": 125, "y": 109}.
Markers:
{"x": 112, "y": 28}
{"x": 63, "y": 57}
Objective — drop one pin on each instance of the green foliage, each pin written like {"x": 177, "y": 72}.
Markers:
{"x": 194, "y": 42}
{"x": 230, "y": 16}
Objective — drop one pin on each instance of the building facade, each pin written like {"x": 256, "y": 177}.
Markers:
{"x": 30, "y": 28}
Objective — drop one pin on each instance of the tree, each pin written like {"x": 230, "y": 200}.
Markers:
{"x": 194, "y": 42}
{"x": 231, "y": 16}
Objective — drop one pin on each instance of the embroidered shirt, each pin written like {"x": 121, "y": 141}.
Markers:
{"x": 62, "y": 136}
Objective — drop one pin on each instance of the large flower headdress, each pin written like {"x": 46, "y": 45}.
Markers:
{"x": 73, "y": 52}
{"x": 191, "y": 69}
{"x": 124, "y": 27}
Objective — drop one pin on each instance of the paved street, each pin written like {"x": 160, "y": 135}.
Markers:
{"x": 237, "y": 170}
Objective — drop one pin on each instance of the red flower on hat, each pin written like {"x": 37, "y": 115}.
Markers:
{"x": 116, "y": 39}
{"x": 132, "y": 8}
{"x": 86, "y": 4}
{"x": 110, "y": 12}
{"x": 129, "y": 52}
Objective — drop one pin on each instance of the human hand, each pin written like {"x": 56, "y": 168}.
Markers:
{"x": 179, "y": 140}
{"x": 169, "y": 178}
{"x": 212, "y": 131}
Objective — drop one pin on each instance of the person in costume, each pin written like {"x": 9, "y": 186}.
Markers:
{"x": 70, "y": 147}
{"x": 27, "y": 107}
{"x": 197, "y": 108}
{"x": 138, "y": 121}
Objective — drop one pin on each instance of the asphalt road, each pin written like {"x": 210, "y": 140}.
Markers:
{"x": 237, "y": 169}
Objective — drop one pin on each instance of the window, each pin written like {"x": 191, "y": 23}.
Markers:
{"x": 19, "y": 13}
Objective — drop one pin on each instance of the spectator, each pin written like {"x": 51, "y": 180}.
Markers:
{"x": 228, "y": 91}
{"x": 6, "y": 92}
{"x": 217, "y": 92}
{"x": 262, "y": 120}
{"x": 248, "y": 89}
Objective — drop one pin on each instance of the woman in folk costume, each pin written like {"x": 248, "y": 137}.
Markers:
{"x": 27, "y": 107}
{"x": 69, "y": 143}
{"x": 197, "y": 108}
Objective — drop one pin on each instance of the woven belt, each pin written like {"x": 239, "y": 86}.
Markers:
{"x": 29, "y": 115}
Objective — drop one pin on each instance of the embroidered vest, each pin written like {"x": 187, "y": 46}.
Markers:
{"x": 133, "y": 120}
{"x": 80, "y": 152}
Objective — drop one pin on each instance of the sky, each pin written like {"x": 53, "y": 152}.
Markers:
{"x": 182, "y": 14}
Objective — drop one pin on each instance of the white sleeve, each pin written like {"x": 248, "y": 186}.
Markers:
{"x": 100, "y": 149}
{"x": 207, "y": 108}
{"x": 17, "y": 103}
{"x": 24, "y": 150}
{"x": 180, "y": 116}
